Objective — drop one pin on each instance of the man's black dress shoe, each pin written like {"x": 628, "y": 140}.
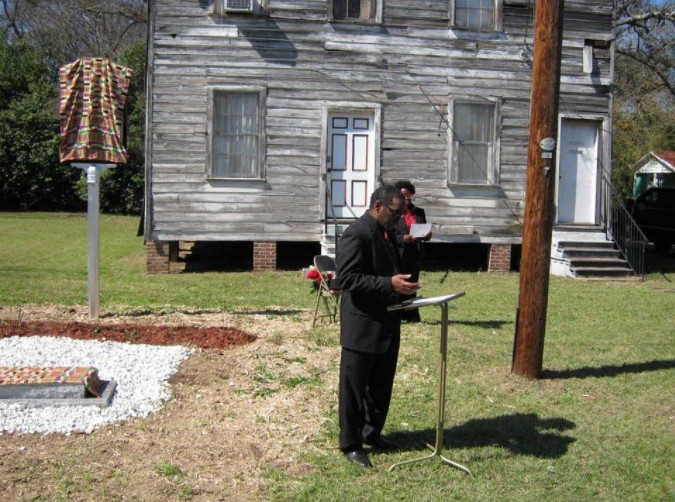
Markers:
{"x": 359, "y": 457}
{"x": 382, "y": 443}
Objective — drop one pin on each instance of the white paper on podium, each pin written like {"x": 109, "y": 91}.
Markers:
{"x": 421, "y": 302}
{"x": 419, "y": 230}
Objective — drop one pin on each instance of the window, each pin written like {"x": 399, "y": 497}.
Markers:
{"x": 355, "y": 10}
{"x": 236, "y": 133}
{"x": 473, "y": 147}
{"x": 475, "y": 14}
{"x": 596, "y": 55}
{"x": 237, "y": 7}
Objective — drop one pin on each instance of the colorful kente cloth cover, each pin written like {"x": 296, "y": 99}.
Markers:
{"x": 29, "y": 375}
{"x": 93, "y": 96}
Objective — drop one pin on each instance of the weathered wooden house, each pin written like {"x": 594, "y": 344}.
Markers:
{"x": 273, "y": 120}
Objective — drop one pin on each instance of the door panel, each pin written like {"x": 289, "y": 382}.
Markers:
{"x": 359, "y": 194}
{"x": 360, "y": 152}
{"x": 338, "y": 189}
{"x": 339, "y": 152}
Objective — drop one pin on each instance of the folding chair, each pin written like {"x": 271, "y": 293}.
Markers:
{"x": 326, "y": 294}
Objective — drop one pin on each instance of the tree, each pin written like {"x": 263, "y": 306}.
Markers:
{"x": 30, "y": 175}
{"x": 644, "y": 85}
{"x": 65, "y": 30}
{"x": 39, "y": 37}
{"x": 645, "y": 33}
{"x": 122, "y": 188}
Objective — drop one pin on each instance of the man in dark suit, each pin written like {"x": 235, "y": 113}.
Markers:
{"x": 368, "y": 272}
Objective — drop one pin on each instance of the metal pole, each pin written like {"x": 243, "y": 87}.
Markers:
{"x": 93, "y": 172}
{"x": 442, "y": 378}
{"x": 440, "y": 425}
{"x": 93, "y": 238}
{"x": 440, "y": 410}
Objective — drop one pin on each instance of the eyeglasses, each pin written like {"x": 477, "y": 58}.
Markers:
{"x": 395, "y": 214}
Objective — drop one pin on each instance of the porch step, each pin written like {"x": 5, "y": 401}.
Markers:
{"x": 576, "y": 227}
{"x": 328, "y": 242}
{"x": 586, "y": 244}
{"x": 603, "y": 273}
{"x": 328, "y": 247}
{"x": 600, "y": 268}
{"x": 589, "y": 256}
{"x": 598, "y": 263}
{"x": 589, "y": 251}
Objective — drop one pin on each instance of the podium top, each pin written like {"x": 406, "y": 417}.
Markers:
{"x": 423, "y": 302}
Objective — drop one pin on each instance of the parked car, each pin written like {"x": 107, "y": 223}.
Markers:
{"x": 654, "y": 212}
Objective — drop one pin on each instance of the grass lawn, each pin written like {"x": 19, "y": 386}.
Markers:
{"x": 600, "y": 425}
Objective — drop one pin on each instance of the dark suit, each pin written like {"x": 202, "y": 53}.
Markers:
{"x": 410, "y": 258}
{"x": 369, "y": 334}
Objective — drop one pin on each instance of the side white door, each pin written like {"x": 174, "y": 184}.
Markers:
{"x": 350, "y": 163}
{"x": 578, "y": 170}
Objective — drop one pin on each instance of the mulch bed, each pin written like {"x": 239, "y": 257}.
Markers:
{"x": 206, "y": 338}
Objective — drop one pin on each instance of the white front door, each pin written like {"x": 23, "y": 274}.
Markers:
{"x": 578, "y": 171}
{"x": 350, "y": 163}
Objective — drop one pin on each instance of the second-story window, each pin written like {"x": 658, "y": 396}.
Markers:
{"x": 475, "y": 14}
{"x": 355, "y": 10}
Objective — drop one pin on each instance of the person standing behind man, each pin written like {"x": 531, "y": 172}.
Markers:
{"x": 410, "y": 247}
{"x": 368, "y": 273}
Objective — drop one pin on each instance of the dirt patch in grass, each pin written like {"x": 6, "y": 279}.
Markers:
{"x": 235, "y": 415}
{"x": 152, "y": 334}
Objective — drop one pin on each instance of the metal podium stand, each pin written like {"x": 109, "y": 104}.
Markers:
{"x": 442, "y": 301}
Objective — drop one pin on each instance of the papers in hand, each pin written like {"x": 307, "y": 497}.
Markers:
{"x": 419, "y": 230}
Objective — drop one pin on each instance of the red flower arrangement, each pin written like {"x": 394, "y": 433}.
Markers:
{"x": 314, "y": 276}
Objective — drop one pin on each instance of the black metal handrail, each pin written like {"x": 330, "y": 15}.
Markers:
{"x": 336, "y": 221}
{"x": 622, "y": 229}
{"x": 328, "y": 203}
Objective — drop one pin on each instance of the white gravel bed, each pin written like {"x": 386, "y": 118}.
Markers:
{"x": 141, "y": 372}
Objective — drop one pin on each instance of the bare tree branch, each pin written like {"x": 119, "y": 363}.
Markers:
{"x": 638, "y": 19}
{"x": 645, "y": 35}
{"x": 11, "y": 17}
{"x": 64, "y": 30}
{"x": 135, "y": 13}
{"x": 661, "y": 73}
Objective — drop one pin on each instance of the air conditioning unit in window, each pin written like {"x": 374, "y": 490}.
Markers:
{"x": 238, "y": 5}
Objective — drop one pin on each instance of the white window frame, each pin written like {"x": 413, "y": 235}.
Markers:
{"x": 262, "y": 92}
{"x": 376, "y": 20}
{"x": 496, "y": 24}
{"x": 493, "y": 150}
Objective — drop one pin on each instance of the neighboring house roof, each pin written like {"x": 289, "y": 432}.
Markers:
{"x": 656, "y": 161}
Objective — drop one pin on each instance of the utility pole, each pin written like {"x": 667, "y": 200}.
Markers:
{"x": 528, "y": 346}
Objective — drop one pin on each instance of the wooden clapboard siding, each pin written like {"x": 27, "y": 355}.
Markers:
{"x": 410, "y": 66}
